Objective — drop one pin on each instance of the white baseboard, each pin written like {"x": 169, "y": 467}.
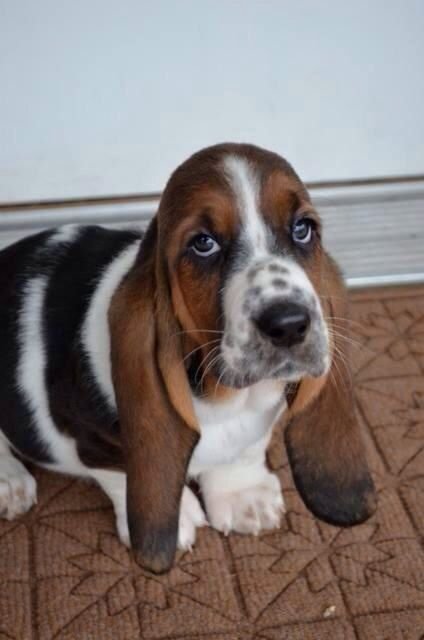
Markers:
{"x": 376, "y": 233}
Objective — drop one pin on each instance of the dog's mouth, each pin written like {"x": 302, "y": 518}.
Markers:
{"x": 258, "y": 363}
{"x": 250, "y": 368}
{"x": 288, "y": 370}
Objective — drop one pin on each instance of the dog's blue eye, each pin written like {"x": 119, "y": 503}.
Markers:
{"x": 302, "y": 231}
{"x": 204, "y": 245}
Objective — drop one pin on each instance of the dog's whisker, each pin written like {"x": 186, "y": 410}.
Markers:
{"x": 336, "y": 334}
{"x": 341, "y": 330}
{"x": 338, "y": 374}
{"x": 181, "y": 333}
{"x": 350, "y": 341}
{"x": 210, "y": 354}
{"x": 340, "y": 356}
{"x": 219, "y": 380}
{"x": 348, "y": 320}
{"x": 209, "y": 366}
{"x": 206, "y": 344}
{"x": 341, "y": 325}
{"x": 204, "y": 363}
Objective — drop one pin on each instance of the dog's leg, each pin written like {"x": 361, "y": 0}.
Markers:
{"x": 244, "y": 496}
{"x": 191, "y": 517}
{"x": 114, "y": 484}
{"x": 18, "y": 489}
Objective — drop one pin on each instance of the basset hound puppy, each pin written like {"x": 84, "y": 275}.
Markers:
{"x": 147, "y": 361}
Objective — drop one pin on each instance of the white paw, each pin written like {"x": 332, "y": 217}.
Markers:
{"x": 191, "y": 517}
{"x": 18, "y": 489}
{"x": 122, "y": 527}
{"x": 248, "y": 510}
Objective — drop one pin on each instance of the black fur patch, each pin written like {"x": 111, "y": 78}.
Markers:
{"x": 18, "y": 263}
{"x": 76, "y": 403}
{"x": 279, "y": 283}
{"x": 154, "y": 549}
{"x": 277, "y": 268}
{"x": 342, "y": 505}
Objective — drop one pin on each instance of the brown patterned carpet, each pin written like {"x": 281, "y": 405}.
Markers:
{"x": 64, "y": 575}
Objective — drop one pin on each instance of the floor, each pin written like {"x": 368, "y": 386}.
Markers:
{"x": 64, "y": 575}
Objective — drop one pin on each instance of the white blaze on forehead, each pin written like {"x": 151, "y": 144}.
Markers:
{"x": 245, "y": 186}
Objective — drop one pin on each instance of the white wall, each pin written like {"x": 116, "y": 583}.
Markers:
{"x": 102, "y": 97}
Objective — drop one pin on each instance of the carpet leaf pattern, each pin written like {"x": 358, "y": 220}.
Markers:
{"x": 65, "y": 576}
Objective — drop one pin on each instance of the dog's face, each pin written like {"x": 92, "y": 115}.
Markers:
{"x": 244, "y": 260}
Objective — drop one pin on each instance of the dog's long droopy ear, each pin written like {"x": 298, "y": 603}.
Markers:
{"x": 157, "y": 423}
{"x": 323, "y": 437}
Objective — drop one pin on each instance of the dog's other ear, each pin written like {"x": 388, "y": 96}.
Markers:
{"x": 323, "y": 437}
{"x": 157, "y": 422}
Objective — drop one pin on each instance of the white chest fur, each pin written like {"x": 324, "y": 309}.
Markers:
{"x": 231, "y": 426}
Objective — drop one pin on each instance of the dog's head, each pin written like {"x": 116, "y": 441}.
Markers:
{"x": 243, "y": 243}
{"x": 232, "y": 286}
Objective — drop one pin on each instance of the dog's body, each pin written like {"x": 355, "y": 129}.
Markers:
{"x": 75, "y": 375}
{"x": 58, "y": 406}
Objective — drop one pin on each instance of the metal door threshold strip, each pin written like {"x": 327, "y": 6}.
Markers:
{"x": 375, "y": 231}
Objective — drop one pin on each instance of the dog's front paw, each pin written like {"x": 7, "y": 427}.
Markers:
{"x": 18, "y": 489}
{"x": 122, "y": 527}
{"x": 191, "y": 517}
{"x": 248, "y": 510}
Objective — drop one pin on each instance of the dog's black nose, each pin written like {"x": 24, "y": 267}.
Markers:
{"x": 284, "y": 323}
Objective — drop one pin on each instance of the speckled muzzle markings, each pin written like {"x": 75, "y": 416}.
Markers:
{"x": 266, "y": 284}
